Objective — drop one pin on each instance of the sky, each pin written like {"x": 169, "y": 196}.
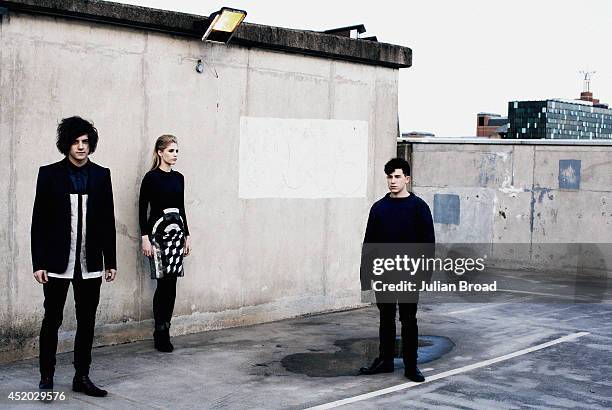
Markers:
{"x": 469, "y": 56}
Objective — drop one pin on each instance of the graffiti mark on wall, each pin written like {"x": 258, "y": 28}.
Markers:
{"x": 569, "y": 173}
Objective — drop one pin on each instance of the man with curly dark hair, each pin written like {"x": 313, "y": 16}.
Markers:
{"x": 73, "y": 241}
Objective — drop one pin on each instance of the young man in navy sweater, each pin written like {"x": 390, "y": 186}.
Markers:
{"x": 400, "y": 217}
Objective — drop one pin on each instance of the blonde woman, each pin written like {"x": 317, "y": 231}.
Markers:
{"x": 165, "y": 234}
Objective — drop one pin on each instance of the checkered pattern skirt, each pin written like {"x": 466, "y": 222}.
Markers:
{"x": 168, "y": 241}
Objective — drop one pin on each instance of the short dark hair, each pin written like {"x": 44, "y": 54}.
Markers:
{"x": 69, "y": 129}
{"x": 397, "y": 163}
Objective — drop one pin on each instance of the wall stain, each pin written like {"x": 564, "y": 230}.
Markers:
{"x": 540, "y": 192}
{"x": 487, "y": 170}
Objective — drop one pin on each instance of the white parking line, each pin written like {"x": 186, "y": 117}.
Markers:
{"x": 448, "y": 373}
{"x": 471, "y": 309}
{"x": 571, "y": 297}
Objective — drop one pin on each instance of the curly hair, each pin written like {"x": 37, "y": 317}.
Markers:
{"x": 397, "y": 163}
{"x": 69, "y": 129}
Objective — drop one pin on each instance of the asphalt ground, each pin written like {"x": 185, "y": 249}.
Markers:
{"x": 501, "y": 355}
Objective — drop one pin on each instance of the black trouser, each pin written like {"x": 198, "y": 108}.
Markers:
{"x": 163, "y": 300}
{"x": 410, "y": 331}
{"x": 86, "y": 298}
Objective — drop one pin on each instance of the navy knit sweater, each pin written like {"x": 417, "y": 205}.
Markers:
{"x": 400, "y": 220}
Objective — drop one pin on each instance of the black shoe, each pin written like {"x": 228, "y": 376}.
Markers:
{"x": 414, "y": 374}
{"x": 161, "y": 338}
{"x": 45, "y": 387}
{"x": 46, "y": 383}
{"x": 378, "y": 366}
{"x": 84, "y": 385}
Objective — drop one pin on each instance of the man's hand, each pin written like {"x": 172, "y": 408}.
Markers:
{"x": 110, "y": 275}
{"x": 147, "y": 249}
{"x": 41, "y": 276}
{"x": 187, "y": 246}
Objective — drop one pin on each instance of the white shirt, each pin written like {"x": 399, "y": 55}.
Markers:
{"x": 74, "y": 215}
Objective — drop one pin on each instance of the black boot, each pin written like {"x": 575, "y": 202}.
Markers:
{"x": 378, "y": 366}
{"x": 161, "y": 337}
{"x": 84, "y": 385}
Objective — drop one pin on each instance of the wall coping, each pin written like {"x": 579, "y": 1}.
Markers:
{"x": 248, "y": 34}
{"x": 493, "y": 141}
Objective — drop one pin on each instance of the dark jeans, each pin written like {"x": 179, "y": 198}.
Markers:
{"x": 410, "y": 331}
{"x": 163, "y": 300}
{"x": 86, "y": 298}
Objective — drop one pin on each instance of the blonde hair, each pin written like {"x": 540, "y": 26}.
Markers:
{"x": 160, "y": 145}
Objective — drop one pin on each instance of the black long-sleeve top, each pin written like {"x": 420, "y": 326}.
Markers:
{"x": 400, "y": 220}
{"x": 161, "y": 190}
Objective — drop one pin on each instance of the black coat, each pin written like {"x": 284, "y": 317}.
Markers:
{"x": 50, "y": 231}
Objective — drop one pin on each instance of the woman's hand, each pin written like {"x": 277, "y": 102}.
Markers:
{"x": 147, "y": 249}
{"x": 187, "y": 246}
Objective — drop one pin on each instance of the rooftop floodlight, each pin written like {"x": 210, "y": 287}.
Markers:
{"x": 223, "y": 25}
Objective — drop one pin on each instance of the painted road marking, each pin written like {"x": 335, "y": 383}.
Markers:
{"x": 448, "y": 373}
{"x": 576, "y": 298}
{"x": 455, "y": 312}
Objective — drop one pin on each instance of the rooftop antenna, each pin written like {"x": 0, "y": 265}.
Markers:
{"x": 587, "y": 79}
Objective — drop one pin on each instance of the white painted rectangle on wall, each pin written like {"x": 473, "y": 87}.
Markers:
{"x": 302, "y": 158}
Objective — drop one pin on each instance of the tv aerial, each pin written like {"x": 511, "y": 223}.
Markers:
{"x": 587, "y": 79}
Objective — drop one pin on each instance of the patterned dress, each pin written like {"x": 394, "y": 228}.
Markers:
{"x": 166, "y": 223}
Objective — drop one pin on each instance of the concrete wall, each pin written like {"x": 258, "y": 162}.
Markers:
{"x": 253, "y": 260}
{"x": 505, "y": 192}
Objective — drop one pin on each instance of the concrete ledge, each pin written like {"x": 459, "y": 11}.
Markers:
{"x": 491, "y": 141}
{"x": 248, "y": 35}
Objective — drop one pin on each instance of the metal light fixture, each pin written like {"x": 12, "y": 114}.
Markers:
{"x": 199, "y": 66}
{"x": 223, "y": 25}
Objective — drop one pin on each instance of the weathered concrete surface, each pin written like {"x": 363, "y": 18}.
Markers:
{"x": 247, "y": 35}
{"x": 514, "y": 193}
{"x": 246, "y": 367}
{"x": 254, "y": 260}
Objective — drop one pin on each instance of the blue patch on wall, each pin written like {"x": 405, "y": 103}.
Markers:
{"x": 569, "y": 173}
{"x": 447, "y": 209}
